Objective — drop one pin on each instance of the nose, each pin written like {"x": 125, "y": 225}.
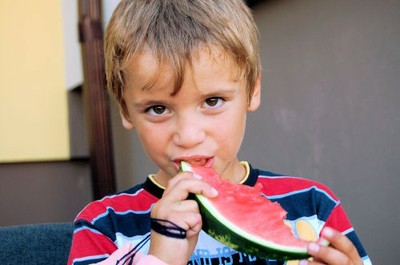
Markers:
{"x": 189, "y": 132}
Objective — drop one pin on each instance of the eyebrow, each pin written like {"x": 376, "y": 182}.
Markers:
{"x": 147, "y": 103}
{"x": 221, "y": 90}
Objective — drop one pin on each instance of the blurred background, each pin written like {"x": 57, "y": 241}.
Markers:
{"x": 330, "y": 111}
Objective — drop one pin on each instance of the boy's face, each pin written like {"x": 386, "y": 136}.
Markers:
{"x": 203, "y": 124}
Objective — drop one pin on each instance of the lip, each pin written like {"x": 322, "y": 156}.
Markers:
{"x": 205, "y": 161}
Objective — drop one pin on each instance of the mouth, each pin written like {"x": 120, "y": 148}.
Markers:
{"x": 195, "y": 161}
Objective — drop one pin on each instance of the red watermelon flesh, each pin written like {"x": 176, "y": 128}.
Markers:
{"x": 246, "y": 207}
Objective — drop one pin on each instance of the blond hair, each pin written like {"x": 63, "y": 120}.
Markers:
{"x": 173, "y": 30}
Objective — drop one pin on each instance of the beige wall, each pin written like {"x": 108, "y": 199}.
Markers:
{"x": 33, "y": 98}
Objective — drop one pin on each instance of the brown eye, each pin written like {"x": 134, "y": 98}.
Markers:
{"x": 157, "y": 110}
{"x": 214, "y": 102}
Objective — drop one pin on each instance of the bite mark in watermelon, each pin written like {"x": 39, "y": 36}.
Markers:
{"x": 245, "y": 220}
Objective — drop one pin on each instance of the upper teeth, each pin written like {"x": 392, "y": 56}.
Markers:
{"x": 198, "y": 161}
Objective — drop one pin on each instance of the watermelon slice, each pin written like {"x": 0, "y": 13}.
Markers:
{"x": 241, "y": 218}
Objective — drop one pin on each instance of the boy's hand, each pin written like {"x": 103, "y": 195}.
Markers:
{"x": 175, "y": 207}
{"x": 341, "y": 250}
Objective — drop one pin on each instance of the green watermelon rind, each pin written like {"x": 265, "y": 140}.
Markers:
{"x": 229, "y": 234}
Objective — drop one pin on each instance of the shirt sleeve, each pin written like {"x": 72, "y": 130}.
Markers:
{"x": 339, "y": 221}
{"x": 89, "y": 245}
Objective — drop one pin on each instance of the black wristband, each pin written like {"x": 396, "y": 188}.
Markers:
{"x": 172, "y": 230}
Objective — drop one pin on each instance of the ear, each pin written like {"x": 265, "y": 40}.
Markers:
{"x": 255, "y": 99}
{"x": 126, "y": 121}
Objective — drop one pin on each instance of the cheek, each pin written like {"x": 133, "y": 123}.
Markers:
{"x": 151, "y": 139}
{"x": 231, "y": 133}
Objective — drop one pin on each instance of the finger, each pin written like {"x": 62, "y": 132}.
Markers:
{"x": 184, "y": 214}
{"x": 340, "y": 251}
{"x": 183, "y": 206}
{"x": 194, "y": 222}
{"x": 185, "y": 176}
{"x": 168, "y": 209}
{"x": 179, "y": 189}
{"x": 180, "y": 176}
{"x": 326, "y": 255}
{"x": 342, "y": 243}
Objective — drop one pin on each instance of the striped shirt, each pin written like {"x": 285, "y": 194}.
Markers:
{"x": 108, "y": 224}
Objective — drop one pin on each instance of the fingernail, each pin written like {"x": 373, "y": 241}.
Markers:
{"x": 323, "y": 241}
{"x": 327, "y": 232}
{"x": 303, "y": 262}
{"x": 313, "y": 247}
{"x": 214, "y": 191}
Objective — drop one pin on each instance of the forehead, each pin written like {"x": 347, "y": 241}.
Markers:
{"x": 145, "y": 70}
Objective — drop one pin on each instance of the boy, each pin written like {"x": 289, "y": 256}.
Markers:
{"x": 184, "y": 74}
